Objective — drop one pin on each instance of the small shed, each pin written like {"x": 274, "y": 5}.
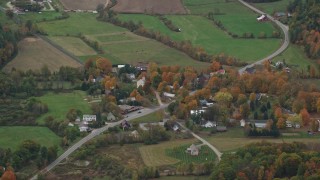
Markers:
{"x": 209, "y": 124}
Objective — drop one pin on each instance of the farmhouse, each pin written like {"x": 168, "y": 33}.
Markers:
{"x": 125, "y": 109}
{"x": 169, "y": 95}
{"x": 89, "y": 118}
{"x": 193, "y": 150}
{"x": 262, "y": 18}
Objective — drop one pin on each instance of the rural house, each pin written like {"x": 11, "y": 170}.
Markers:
{"x": 89, "y": 118}
{"x": 193, "y": 150}
{"x": 209, "y": 124}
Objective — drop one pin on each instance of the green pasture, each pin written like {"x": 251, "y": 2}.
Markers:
{"x": 205, "y": 154}
{"x": 272, "y": 7}
{"x": 12, "y": 136}
{"x": 59, "y": 104}
{"x": 237, "y": 18}
{"x": 74, "y": 45}
{"x": 38, "y": 17}
{"x": 152, "y": 117}
{"x": 84, "y": 23}
{"x": 202, "y": 32}
{"x": 295, "y": 57}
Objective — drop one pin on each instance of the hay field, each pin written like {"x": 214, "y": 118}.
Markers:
{"x": 34, "y": 53}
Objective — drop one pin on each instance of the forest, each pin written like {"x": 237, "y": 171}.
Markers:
{"x": 268, "y": 161}
{"x": 304, "y": 26}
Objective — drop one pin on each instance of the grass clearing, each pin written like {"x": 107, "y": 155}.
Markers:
{"x": 74, "y": 45}
{"x": 34, "y": 53}
{"x": 272, "y": 7}
{"x": 205, "y": 154}
{"x": 155, "y": 155}
{"x": 295, "y": 57}
{"x": 12, "y": 136}
{"x": 59, "y": 104}
{"x": 38, "y": 17}
{"x": 89, "y": 25}
{"x": 234, "y": 16}
{"x": 152, "y": 117}
{"x": 202, "y": 32}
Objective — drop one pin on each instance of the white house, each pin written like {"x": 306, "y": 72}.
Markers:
{"x": 83, "y": 128}
{"x": 141, "y": 82}
{"x": 70, "y": 124}
{"x": 197, "y": 111}
{"x": 242, "y": 122}
{"x": 89, "y": 118}
{"x": 111, "y": 117}
{"x": 209, "y": 124}
{"x": 169, "y": 95}
{"x": 288, "y": 124}
{"x": 193, "y": 150}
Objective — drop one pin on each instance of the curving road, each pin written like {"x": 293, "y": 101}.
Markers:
{"x": 95, "y": 133}
{"x": 285, "y": 43}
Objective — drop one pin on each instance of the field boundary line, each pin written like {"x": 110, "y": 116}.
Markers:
{"x": 59, "y": 48}
{"x": 124, "y": 41}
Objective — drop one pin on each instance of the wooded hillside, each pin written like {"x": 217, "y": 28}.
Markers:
{"x": 305, "y": 25}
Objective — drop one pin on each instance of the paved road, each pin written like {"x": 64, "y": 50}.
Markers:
{"x": 285, "y": 42}
{"x": 214, "y": 149}
{"x": 95, "y": 133}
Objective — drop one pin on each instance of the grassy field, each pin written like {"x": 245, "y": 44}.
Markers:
{"x": 89, "y": 25}
{"x": 38, "y": 17}
{"x": 205, "y": 154}
{"x": 234, "y": 16}
{"x": 270, "y": 8}
{"x": 59, "y": 104}
{"x": 119, "y": 45}
{"x": 153, "y": 117}
{"x": 155, "y": 155}
{"x": 201, "y": 32}
{"x": 74, "y": 45}
{"x": 295, "y": 57}
{"x": 234, "y": 138}
{"x": 34, "y": 53}
{"x": 11, "y": 137}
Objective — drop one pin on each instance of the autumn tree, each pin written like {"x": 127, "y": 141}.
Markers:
{"x": 104, "y": 65}
{"x": 109, "y": 82}
{"x": 281, "y": 123}
{"x": 223, "y": 98}
{"x": 305, "y": 116}
{"x": 244, "y": 110}
{"x": 278, "y": 112}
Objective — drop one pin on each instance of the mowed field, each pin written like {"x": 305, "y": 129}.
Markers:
{"x": 150, "y": 6}
{"x": 272, "y": 7}
{"x": 34, "y": 53}
{"x": 119, "y": 44}
{"x": 12, "y": 136}
{"x": 234, "y": 16}
{"x": 82, "y": 4}
{"x": 155, "y": 155}
{"x": 74, "y": 45}
{"x": 202, "y": 32}
{"x": 59, "y": 104}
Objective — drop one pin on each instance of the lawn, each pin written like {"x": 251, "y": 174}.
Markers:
{"x": 271, "y": 7}
{"x": 152, "y": 117}
{"x": 234, "y": 16}
{"x": 38, "y": 17}
{"x": 295, "y": 57}
{"x": 12, "y": 136}
{"x": 205, "y": 154}
{"x": 74, "y": 45}
{"x": 201, "y": 32}
{"x": 155, "y": 155}
{"x": 59, "y": 104}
